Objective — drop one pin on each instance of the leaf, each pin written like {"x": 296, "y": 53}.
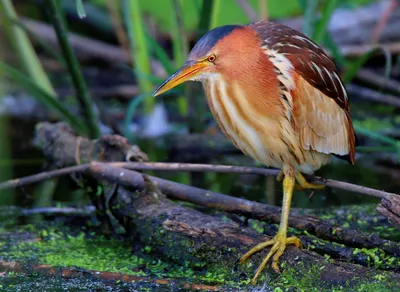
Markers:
{"x": 80, "y": 9}
{"x": 376, "y": 136}
{"x": 322, "y": 25}
{"x": 310, "y": 12}
{"x": 43, "y": 96}
{"x": 355, "y": 65}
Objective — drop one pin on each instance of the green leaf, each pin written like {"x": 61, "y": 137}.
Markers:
{"x": 43, "y": 96}
{"x": 355, "y": 65}
{"x": 376, "y": 136}
{"x": 310, "y": 12}
{"x": 80, "y": 9}
{"x": 161, "y": 55}
{"x": 336, "y": 53}
{"x": 322, "y": 25}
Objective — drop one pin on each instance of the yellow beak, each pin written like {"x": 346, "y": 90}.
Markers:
{"x": 189, "y": 70}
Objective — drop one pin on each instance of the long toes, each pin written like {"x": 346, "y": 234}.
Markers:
{"x": 311, "y": 186}
{"x": 293, "y": 240}
{"x": 255, "y": 249}
{"x": 275, "y": 259}
{"x": 261, "y": 267}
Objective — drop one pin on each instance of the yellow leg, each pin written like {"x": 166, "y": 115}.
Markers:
{"x": 304, "y": 184}
{"x": 280, "y": 240}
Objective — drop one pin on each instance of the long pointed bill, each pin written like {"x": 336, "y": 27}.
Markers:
{"x": 188, "y": 71}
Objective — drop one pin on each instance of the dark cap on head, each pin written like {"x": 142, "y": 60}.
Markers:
{"x": 209, "y": 40}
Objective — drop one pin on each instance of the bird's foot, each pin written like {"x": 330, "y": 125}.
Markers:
{"x": 303, "y": 184}
{"x": 278, "y": 246}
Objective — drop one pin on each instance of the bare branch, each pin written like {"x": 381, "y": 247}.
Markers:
{"x": 27, "y": 180}
{"x": 184, "y": 167}
{"x": 247, "y": 170}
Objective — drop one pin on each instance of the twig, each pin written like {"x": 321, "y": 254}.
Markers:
{"x": 17, "y": 267}
{"x": 352, "y": 51}
{"x": 373, "y": 95}
{"x": 56, "y": 210}
{"x": 194, "y": 168}
{"x": 263, "y": 212}
{"x": 114, "y": 8}
{"x": 82, "y": 94}
{"x": 23, "y": 181}
{"x": 246, "y": 170}
{"x": 379, "y": 81}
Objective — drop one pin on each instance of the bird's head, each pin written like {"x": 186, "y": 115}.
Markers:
{"x": 222, "y": 50}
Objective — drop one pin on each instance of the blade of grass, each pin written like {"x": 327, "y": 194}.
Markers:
{"x": 180, "y": 49}
{"x": 139, "y": 49}
{"x": 355, "y": 65}
{"x": 161, "y": 55}
{"x": 26, "y": 53}
{"x": 336, "y": 53}
{"x": 322, "y": 25}
{"x": 205, "y": 17}
{"x": 216, "y": 8}
{"x": 310, "y": 12}
{"x": 376, "y": 136}
{"x": 49, "y": 50}
{"x": 43, "y": 96}
{"x": 130, "y": 113}
{"x": 80, "y": 9}
{"x": 82, "y": 94}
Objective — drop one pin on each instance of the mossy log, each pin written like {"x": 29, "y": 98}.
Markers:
{"x": 206, "y": 242}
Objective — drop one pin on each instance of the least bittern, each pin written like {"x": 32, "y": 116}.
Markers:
{"x": 278, "y": 97}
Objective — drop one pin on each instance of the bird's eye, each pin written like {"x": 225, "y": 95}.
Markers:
{"x": 211, "y": 58}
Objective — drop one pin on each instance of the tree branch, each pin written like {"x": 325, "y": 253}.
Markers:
{"x": 191, "y": 167}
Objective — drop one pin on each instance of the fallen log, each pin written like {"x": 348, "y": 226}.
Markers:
{"x": 208, "y": 243}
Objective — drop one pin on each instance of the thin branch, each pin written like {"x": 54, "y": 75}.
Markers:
{"x": 27, "y": 180}
{"x": 184, "y": 167}
{"x": 250, "y": 209}
{"x": 247, "y": 170}
{"x": 352, "y": 51}
{"x": 379, "y": 81}
{"x": 369, "y": 94}
{"x": 70, "y": 211}
{"x": 82, "y": 94}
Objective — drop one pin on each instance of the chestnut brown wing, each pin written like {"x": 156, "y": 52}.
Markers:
{"x": 322, "y": 125}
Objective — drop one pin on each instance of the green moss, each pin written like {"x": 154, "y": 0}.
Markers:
{"x": 61, "y": 249}
{"x": 58, "y": 247}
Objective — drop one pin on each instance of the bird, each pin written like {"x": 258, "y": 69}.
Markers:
{"x": 279, "y": 98}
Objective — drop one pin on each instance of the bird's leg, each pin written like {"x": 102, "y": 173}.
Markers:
{"x": 303, "y": 184}
{"x": 280, "y": 240}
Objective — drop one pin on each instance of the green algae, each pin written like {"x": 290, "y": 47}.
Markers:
{"x": 65, "y": 247}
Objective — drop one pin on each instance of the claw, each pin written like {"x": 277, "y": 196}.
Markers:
{"x": 303, "y": 184}
{"x": 278, "y": 244}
